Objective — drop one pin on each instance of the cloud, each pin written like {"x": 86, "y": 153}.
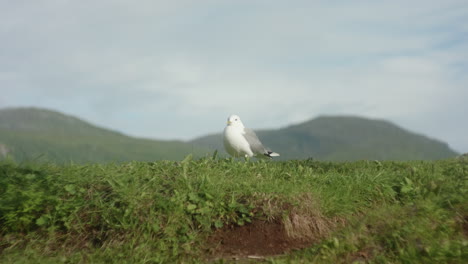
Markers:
{"x": 186, "y": 65}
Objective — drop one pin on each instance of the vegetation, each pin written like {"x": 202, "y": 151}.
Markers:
{"x": 342, "y": 138}
{"x": 166, "y": 212}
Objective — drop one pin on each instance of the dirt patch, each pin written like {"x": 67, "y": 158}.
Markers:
{"x": 291, "y": 225}
{"x": 254, "y": 240}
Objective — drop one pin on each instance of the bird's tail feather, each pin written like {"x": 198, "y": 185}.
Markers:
{"x": 271, "y": 154}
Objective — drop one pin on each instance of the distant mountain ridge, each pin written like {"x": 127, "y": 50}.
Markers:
{"x": 44, "y": 120}
{"x": 29, "y": 133}
{"x": 345, "y": 138}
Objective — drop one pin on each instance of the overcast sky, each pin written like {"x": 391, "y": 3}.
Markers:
{"x": 177, "y": 69}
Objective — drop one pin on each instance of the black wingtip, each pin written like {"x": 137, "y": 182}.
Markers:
{"x": 268, "y": 154}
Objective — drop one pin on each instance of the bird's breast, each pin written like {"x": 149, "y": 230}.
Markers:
{"x": 234, "y": 140}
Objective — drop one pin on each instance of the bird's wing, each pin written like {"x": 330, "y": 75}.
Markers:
{"x": 255, "y": 145}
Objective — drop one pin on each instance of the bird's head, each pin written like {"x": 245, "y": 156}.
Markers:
{"x": 234, "y": 120}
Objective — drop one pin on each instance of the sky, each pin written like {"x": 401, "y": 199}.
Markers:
{"x": 177, "y": 69}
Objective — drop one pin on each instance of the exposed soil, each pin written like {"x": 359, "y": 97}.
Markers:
{"x": 255, "y": 241}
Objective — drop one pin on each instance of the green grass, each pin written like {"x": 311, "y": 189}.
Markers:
{"x": 164, "y": 211}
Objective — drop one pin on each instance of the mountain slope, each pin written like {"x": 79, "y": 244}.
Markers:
{"x": 341, "y": 138}
{"x": 30, "y": 133}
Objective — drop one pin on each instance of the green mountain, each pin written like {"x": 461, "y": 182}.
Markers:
{"x": 32, "y": 133}
{"x": 345, "y": 138}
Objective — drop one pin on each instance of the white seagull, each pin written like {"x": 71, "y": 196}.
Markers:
{"x": 240, "y": 141}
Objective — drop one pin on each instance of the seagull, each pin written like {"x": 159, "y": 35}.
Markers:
{"x": 240, "y": 141}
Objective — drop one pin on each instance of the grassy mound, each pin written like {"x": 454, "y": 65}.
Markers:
{"x": 192, "y": 211}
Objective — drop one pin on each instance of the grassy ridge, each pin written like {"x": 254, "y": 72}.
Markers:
{"x": 39, "y": 134}
{"x": 63, "y": 148}
{"x": 33, "y": 133}
{"x": 156, "y": 212}
{"x": 345, "y": 138}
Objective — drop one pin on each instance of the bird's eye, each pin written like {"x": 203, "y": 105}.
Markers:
{"x": 236, "y": 119}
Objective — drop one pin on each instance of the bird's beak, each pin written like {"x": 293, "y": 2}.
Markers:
{"x": 229, "y": 122}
